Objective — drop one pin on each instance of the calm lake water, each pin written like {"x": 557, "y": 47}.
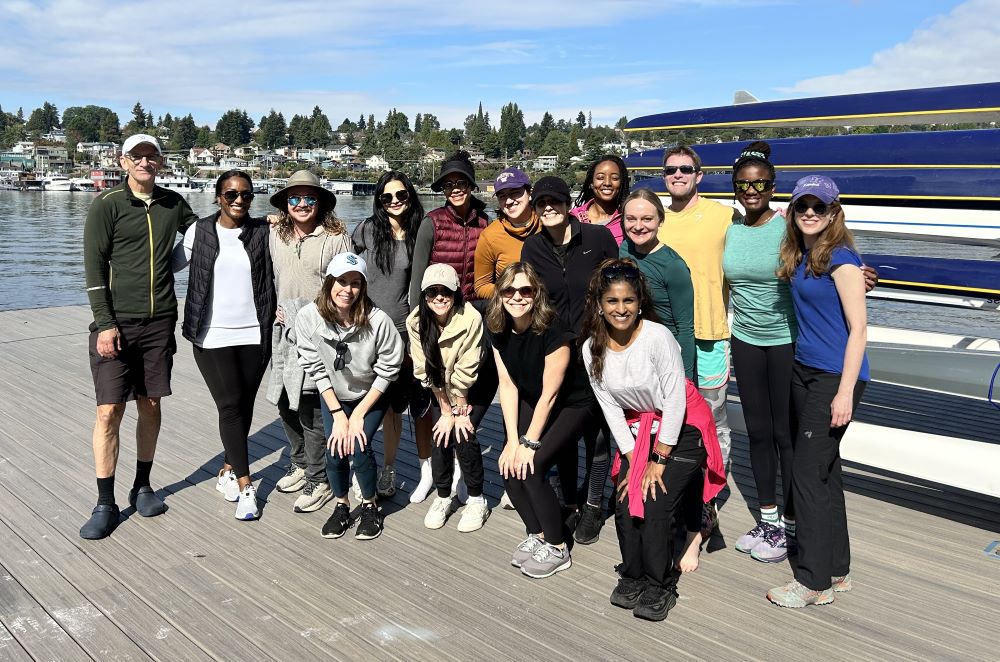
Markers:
{"x": 41, "y": 258}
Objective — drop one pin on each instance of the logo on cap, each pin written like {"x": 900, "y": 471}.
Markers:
{"x": 352, "y": 260}
{"x": 504, "y": 176}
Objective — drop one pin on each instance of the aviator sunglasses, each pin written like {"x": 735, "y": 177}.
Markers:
{"x": 341, "y": 349}
{"x": 309, "y": 200}
{"x": 818, "y": 208}
{"x": 685, "y": 170}
{"x": 526, "y": 292}
{"x": 386, "y": 198}
{"x": 759, "y": 185}
{"x": 230, "y": 196}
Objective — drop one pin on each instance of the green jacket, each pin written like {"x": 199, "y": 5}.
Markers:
{"x": 126, "y": 254}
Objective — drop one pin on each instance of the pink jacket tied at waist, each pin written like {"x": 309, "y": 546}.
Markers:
{"x": 699, "y": 415}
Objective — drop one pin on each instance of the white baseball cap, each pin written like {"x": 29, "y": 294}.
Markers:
{"x": 140, "y": 139}
{"x": 345, "y": 262}
{"x": 440, "y": 274}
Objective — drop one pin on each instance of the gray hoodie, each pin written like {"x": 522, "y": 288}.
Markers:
{"x": 372, "y": 360}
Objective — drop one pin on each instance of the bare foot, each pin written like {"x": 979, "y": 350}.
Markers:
{"x": 692, "y": 550}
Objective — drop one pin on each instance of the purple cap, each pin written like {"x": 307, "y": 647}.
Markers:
{"x": 510, "y": 178}
{"x": 820, "y": 186}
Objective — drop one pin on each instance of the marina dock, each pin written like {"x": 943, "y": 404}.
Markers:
{"x": 196, "y": 584}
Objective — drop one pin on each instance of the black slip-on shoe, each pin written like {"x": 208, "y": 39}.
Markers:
{"x": 102, "y": 522}
{"x": 146, "y": 502}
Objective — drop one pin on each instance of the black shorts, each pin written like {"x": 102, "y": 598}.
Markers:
{"x": 141, "y": 368}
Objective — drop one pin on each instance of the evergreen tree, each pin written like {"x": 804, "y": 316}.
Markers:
{"x": 581, "y": 120}
{"x": 90, "y": 124}
{"x": 205, "y": 138}
{"x": 510, "y": 137}
{"x": 43, "y": 119}
{"x": 167, "y": 121}
{"x": 148, "y": 121}
{"x": 547, "y": 124}
{"x": 319, "y": 129}
{"x": 185, "y": 133}
{"x": 574, "y": 148}
{"x": 361, "y": 122}
{"x": 271, "y": 132}
{"x": 234, "y": 128}
{"x": 417, "y": 121}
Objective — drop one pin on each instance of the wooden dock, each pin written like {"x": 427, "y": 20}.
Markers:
{"x": 195, "y": 584}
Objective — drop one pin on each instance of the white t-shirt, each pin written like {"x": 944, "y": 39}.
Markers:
{"x": 232, "y": 316}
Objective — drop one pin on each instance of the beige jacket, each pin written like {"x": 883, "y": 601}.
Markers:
{"x": 461, "y": 350}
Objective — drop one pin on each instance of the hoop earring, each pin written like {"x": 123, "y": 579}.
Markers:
{"x": 640, "y": 311}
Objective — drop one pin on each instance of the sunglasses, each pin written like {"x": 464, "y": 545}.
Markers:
{"x": 620, "y": 270}
{"x": 438, "y": 291}
{"x": 386, "y": 198}
{"x": 231, "y": 196}
{"x": 685, "y": 170}
{"x": 818, "y": 208}
{"x": 137, "y": 158}
{"x": 309, "y": 200}
{"x": 341, "y": 349}
{"x": 456, "y": 185}
{"x": 526, "y": 292}
{"x": 759, "y": 185}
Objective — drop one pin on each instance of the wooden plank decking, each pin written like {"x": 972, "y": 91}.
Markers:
{"x": 195, "y": 584}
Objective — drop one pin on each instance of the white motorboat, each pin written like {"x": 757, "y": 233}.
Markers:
{"x": 179, "y": 183}
{"x": 85, "y": 184}
{"x": 57, "y": 183}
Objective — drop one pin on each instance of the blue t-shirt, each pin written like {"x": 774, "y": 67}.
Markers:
{"x": 822, "y": 325}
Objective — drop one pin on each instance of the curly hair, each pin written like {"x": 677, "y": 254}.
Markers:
{"x": 498, "y": 320}
{"x": 757, "y": 153}
{"x": 595, "y": 328}
{"x": 328, "y": 219}
{"x": 587, "y": 192}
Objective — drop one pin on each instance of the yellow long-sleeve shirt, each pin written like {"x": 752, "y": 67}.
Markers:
{"x": 698, "y": 234}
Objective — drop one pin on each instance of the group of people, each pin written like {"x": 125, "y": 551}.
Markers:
{"x": 601, "y": 320}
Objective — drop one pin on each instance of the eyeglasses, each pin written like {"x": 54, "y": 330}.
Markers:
{"x": 685, "y": 170}
{"x": 438, "y": 291}
{"x": 526, "y": 292}
{"x": 818, "y": 208}
{"x": 341, "y": 349}
{"x": 137, "y": 158}
{"x": 230, "y": 196}
{"x": 759, "y": 185}
{"x": 309, "y": 200}
{"x": 386, "y": 198}
{"x": 455, "y": 185}
{"x": 620, "y": 270}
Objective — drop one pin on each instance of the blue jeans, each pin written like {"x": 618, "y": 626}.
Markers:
{"x": 338, "y": 468}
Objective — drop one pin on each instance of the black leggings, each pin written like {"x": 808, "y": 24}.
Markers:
{"x": 533, "y": 497}
{"x": 233, "y": 376}
{"x": 764, "y": 375}
{"x": 597, "y": 445}
{"x": 470, "y": 457}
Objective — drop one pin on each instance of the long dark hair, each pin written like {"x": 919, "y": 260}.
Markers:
{"x": 587, "y": 193}
{"x": 430, "y": 332}
{"x": 594, "y": 326}
{"x": 383, "y": 248}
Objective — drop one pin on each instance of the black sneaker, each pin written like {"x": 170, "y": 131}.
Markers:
{"x": 654, "y": 603}
{"x": 588, "y": 528}
{"x": 626, "y": 594}
{"x": 339, "y": 522}
{"x": 370, "y": 522}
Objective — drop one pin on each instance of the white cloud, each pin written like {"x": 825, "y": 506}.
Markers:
{"x": 960, "y": 47}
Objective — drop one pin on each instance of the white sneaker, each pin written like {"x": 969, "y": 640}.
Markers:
{"x": 426, "y": 483}
{"x": 505, "y": 502}
{"x": 313, "y": 497}
{"x": 228, "y": 485}
{"x": 246, "y": 507}
{"x": 438, "y": 513}
{"x": 293, "y": 480}
{"x": 474, "y": 515}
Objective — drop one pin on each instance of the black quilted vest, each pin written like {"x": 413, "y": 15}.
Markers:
{"x": 202, "y": 268}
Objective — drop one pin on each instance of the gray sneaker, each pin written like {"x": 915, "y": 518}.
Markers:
{"x": 386, "y": 485}
{"x": 796, "y": 596}
{"x": 525, "y": 550}
{"x": 773, "y": 548}
{"x": 293, "y": 480}
{"x": 546, "y": 561}
{"x": 314, "y": 497}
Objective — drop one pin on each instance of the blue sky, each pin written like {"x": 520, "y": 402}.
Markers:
{"x": 610, "y": 58}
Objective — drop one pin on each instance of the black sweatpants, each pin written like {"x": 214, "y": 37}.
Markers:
{"x": 764, "y": 374}
{"x": 233, "y": 375}
{"x": 533, "y": 497}
{"x": 647, "y": 543}
{"x": 470, "y": 456}
{"x": 817, "y": 484}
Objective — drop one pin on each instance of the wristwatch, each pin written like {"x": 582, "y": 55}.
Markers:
{"x": 659, "y": 459}
{"x": 529, "y": 443}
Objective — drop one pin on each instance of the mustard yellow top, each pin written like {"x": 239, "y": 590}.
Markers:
{"x": 698, "y": 234}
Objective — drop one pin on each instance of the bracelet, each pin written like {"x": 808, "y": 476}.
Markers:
{"x": 337, "y": 410}
{"x": 529, "y": 443}
{"x": 461, "y": 410}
